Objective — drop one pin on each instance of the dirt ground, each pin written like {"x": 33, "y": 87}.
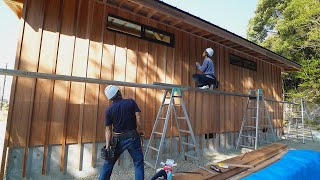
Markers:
{"x": 212, "y": 156}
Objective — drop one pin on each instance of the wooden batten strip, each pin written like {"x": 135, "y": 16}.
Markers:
{"x": 33, "y": 90}
{"x": 13, "y": 92}
{"x": 93, "y": 158}
{"x": 51, "y": 94}
{"x": 83, "y": 89}
{"x": 64, "y": 135}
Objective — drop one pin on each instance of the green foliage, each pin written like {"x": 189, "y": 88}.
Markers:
{"x": 291, "y": 28}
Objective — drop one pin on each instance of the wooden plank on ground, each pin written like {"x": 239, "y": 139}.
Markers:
{"x": 253, "y": 158}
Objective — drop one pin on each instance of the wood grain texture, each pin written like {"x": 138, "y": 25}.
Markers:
{"x": 101, "y": 53}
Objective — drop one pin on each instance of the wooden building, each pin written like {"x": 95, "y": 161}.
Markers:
{"x": 140, "y": 41}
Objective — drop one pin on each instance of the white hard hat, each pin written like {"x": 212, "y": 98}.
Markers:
{"x": 110, "y": 91}
{"x": 210, "y": 51}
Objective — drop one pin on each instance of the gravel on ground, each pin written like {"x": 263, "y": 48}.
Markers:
{"x": 211, "y": 155}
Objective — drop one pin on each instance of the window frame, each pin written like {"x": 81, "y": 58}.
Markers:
{"x": 118, "y": 17}
{"x": 242, "y": 62}
{"x": 142, "y": 31}
{"x": 171, "y": 35}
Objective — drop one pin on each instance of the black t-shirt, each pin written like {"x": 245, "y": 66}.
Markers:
{"x": 122, "y": 115}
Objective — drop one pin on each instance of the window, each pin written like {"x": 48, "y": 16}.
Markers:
{"x": 121, "y": 25}
{"x": 242, "y": 62}
{"x": 124, "y": 26}
{"x": 157, "y": 35}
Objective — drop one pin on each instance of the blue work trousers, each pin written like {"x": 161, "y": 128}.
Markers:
{"x": 133, "y": 145}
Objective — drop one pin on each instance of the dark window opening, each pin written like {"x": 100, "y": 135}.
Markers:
{"x": 129, "y": 27}
{"x": 209, "y": 136}
{"x": 242, "y": 62}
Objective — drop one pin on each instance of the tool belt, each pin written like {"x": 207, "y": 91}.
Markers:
{"x": 111, "y": 152}
{"x": 127, "y": 135}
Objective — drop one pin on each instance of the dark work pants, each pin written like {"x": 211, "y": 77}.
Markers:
{"x": 203, "y": 80}
{"x": 133, "y": 145}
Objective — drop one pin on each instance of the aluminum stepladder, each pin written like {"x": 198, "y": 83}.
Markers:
{"x": 171, "y": 105}
{"x": 255, "y": 115}
{"x": 298, "y": 123}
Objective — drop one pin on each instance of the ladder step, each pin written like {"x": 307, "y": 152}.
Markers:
{"x": 161, "y": 118}
{"x": 165, "y": 104}
{"x": 181, "y": 118}
{"x": 187, "y": 155}
{"x": 248, "y": 136}
{"x": 265, "y": 117}
{"x": 177, "y": 105}
{"x": 159, "y": 133}
{"x": 249, "y": 127}
{"x": 177, "y": 96}
{"x": 256, "y": 108}
{"x": 184, "y": 131}
{"x": 155, "y": 149}
{"x": 264, "y": 126}
{"x": 246, "y": 146}
{"x": 149, "y": 164}
{"x": 269, "y": 134}
{"x": 188, "y": 144}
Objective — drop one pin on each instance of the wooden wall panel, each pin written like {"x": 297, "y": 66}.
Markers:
{"x": 93, "y": 71}
{"x": 24, "y": 95}
{"x": 84, "y": 47}
{"x": 107, "y": 69}
{"x": 192, "y": 95}
{"x": 47, "y": 64}
{"x": 151, "y": 93}
{"x": 198, "y": 101}
{"x": 64, "y": 64}
{"x": 222, "y": 97}
{"x": 80, "y": 60}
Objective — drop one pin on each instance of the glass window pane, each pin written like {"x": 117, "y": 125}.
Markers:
{"x": 124, "y": 26}
{"x": 157, "y": 36}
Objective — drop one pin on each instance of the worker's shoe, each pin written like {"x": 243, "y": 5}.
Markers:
{"x": 204, "y": 87}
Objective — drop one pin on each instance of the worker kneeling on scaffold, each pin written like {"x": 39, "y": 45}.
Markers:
{"x": 207, "y": 79}
{"x": 124, "y": 115}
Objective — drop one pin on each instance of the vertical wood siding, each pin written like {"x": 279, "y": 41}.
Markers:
{"x": 72, "y": 39}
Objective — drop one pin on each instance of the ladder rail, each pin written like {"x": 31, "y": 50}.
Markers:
{"x": 242, "y": 124}
{"x": 155, "y": 124}
{"x": 257, "y": 132}
{"x": 190, "y": 127}
{"x": 164, "y": 132}
{"x": 171, "y": 106}
{"x": 257, "y": 121}
{"x": 269, "y": 121}
{"x": 178, "y": 126}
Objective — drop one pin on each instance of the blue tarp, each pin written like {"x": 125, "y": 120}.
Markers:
{"x": 295, "y": 164}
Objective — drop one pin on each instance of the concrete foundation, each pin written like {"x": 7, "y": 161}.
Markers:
{"x": 71, "y": 170}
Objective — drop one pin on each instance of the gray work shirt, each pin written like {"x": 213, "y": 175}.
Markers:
{"x": 207, "y": 67}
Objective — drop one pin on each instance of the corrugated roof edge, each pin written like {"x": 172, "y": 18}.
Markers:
{"x": 182, "y": 11}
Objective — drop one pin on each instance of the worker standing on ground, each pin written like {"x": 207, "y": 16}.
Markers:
{"x": 207, "y": 79}
{"x": 124, "y": 116}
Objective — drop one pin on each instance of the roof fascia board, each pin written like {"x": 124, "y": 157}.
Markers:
{"x": 159, "y": 6}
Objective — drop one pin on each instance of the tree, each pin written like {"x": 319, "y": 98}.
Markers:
{"x": 291, "y": 28}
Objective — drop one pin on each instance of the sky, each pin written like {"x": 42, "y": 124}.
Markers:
{"x": 232, "y": 15}
{"x": 9, "y": 30}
